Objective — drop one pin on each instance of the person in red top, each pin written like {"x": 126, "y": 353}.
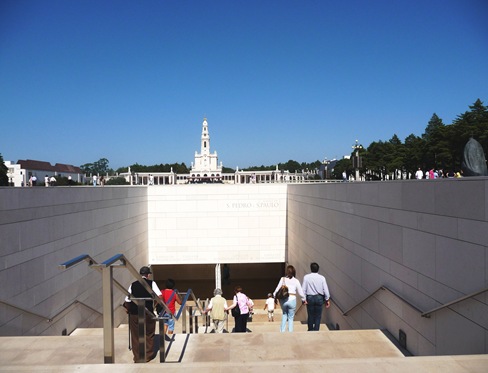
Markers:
{"x": 170, "y": 297}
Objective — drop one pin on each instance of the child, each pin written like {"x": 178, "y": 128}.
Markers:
{"x": 170, "y": 296}
{"x": 270, "y": 304}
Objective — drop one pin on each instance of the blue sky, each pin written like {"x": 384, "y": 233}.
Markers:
{"x": 131, "y": 81}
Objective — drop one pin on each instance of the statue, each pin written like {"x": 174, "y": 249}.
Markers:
{"x": 474, "y": 161}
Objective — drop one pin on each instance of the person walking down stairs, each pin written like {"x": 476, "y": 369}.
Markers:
{"x": 270, "y": 305}
{"x": 217, "y": 307}
{"x": 289, "y": 304}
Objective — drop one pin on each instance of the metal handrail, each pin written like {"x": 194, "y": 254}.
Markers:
{"x": 26, "y": 311}
{"x": 126, "y": 264}
{"x": 197, "y": 301}
{"x": 427, "y": 314}
{"x": 374, "y": 292}
{"x": 422, "y": 313}
{"x": 50, "y": 319}
{"x": 176, "y": 317}
{"x": 107, "y": 280}
{"x": 92, "y": 264}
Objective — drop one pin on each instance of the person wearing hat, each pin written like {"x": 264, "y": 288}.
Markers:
{"x": 270, "y": 305}
{"x": 137, "y": 290}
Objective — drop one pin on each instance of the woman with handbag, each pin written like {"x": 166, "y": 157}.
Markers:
{"x": 240, "y": 310}
{"x": 286, "y": 293}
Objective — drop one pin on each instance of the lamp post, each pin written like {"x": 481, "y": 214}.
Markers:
{"x": 356, "y": 161}
{"x": 326, "y": 163}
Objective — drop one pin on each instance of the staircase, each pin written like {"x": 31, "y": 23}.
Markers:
{"x": 262, "y": 349}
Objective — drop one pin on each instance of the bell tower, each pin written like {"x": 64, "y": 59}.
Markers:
{"x": 205, "y": 148}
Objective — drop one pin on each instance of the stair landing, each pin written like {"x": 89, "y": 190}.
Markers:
{"x": 339, "y": 351}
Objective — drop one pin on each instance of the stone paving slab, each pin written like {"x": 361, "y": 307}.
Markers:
{"x": 243, "y": 348}
{"x": 339, "y": 351}
{"x": 424, "y": 364}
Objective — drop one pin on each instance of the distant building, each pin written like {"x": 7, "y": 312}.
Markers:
{"x": 20, "y": 172}
{"x": 15, "y": 174}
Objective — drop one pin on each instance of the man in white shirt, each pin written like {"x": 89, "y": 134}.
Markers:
{"x": 317, "y": 293}
{"x": 419, "y": 174}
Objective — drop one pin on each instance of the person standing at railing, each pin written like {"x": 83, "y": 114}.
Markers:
{"x": 137, "y": 290}
{"x": 170, "y": 297}
{"x": 317, "y": 292}
{"x": 217, "y": 307}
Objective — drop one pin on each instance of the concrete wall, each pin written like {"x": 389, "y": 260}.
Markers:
{"x": 43, "y": 227}
{"x": 199, "y": 224}
{"x": 426, "y": 240}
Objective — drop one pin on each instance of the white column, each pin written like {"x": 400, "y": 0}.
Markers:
{"x": 218, "y": 277}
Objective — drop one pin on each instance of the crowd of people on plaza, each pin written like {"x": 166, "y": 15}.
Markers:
{"x": 436, "y": 174}
{"x": 312, "y": 291}
{"x": 49, "y": 181}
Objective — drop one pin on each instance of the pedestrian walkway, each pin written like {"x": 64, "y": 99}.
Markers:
{"x": 262, "y": 348}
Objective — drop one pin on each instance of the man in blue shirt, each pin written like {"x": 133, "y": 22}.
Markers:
{"x": 317, "y": 293}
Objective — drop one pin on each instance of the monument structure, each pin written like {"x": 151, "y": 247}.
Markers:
{"x": 206, "y": 167}
{"x": 474, "y": 160}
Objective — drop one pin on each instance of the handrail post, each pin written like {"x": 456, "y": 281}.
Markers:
{"x": 141, "y": 329}
{"x": 162, "y": 341}
{"x": 183, "y": 320}
{"x": 190, "y": 312}
{"x": 108, "y": 316}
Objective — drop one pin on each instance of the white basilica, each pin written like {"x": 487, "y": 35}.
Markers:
{"x": 206, "y": 167}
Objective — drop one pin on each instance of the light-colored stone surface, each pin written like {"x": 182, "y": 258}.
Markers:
{"x": 198, "y": 224}
{"x": 339, "y": 351}
{"x": 86, "y": 347}
{"x": 421, "y": 239}
{"x": 41, "y": 228}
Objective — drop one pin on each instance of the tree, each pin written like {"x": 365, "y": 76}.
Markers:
{"x": 414, "y": 158}
{"x": 101, "y": 166}
{"x": 98, "y": 167}
{"x": 341, "y": 166}
{"x": 396, "y": 155}
{"x": 87, "y": 168}
{"x": 117, "y": 181}
{"x": 437, "y": 147}
{"x": 3, "y": 172}
{"x": 291, "y": 166}
{"x": 176, "y": 167}
{"x": 440, "y": 146}
{"x": 472, "y": 123}
{"x": 259, "y": 168}
{"x": 376, "y": 160}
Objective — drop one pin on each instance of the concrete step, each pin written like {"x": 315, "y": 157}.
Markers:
{"x": 86, "y": 347}
{"x": 262, "y": 348}
{"x": 344, "y": 351}
{"x": 253, "y": 327}
{"x": 424, "y": 364}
